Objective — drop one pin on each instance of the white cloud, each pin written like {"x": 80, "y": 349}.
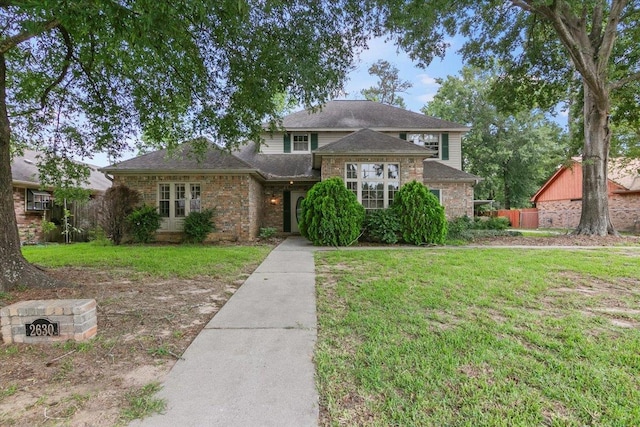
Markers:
{"x": 427, "y": 80}
{"x": 427, "y": 97}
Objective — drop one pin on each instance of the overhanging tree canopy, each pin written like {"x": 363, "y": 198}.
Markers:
{"x": 80, "y": 77}
{"x": 543, "y": 44}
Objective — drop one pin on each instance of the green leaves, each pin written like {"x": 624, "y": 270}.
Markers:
{"x": 169, "y": 70}
{"x": 331, "y": 214}
{"x": 513, "y": 152}
{"x": 421, "y": 216}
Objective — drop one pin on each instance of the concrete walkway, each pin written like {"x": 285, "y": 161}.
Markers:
{"x": 252, "y": 364}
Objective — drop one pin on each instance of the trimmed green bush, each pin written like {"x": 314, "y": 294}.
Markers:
{"x": 465, "y": 228}
{"x": 331, "y": 214}
{"x": 422, "y": 219}
{"x": 382, "y": 225}
{"x": 198, "y": 225}
{"x": 143, "y": 223}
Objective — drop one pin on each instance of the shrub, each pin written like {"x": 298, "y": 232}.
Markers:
{"x": 331, "y": 214}
{"x": 464, "y": 228}
{"x": 119, "y": 202}
{"x": 422, "y": 219}
{"x": 143, "y": 223}
{"x": 198, "y": 225}
{"x": 382, "y": 225}
{"x": 267, "y": 232}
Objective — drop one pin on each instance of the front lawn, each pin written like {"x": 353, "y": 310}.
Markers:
{"x": 479, "y": 337}
{"x": 183, "y": 261}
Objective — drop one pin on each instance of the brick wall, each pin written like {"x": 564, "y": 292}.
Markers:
{"x": 623, "y": 209}
{"x": 410, "y": 168}
{"x": 457, "y": 197}
{"x": 237, "y": 200}
{"x": 273, "y": 213}
{"x": 29, "y": 223}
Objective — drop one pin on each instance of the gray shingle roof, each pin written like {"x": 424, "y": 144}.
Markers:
{"x": 358, "y": 114}
{"x": 367, "y": 141}
{"x": 435, "y": 171}
{"x": 279, "y": 166}
{"x": 24, "y": 169}
{"x": 183, "y": 159}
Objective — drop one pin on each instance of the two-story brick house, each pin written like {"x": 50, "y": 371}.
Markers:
{"x": 374, "y": 148}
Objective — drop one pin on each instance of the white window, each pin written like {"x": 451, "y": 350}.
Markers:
{"x": 300, "y": 142}
{"x": 38, "y": 200}
{"x": 427, "y": 140}
{"x": 375, "y": 184}
{"x": 173, "y": 206}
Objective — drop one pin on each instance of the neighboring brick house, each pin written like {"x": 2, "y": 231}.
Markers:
{"x": 31, "y": 202}
{"x": 559, "y": 200}
{"x": 374, "y": 148}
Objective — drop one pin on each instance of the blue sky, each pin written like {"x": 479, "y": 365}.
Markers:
{"x": 423, "y": 80}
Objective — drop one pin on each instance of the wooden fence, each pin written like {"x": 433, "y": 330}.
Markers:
{"x": 521, "y": 218}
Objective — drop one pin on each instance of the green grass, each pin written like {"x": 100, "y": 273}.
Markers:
{"x": 141, "y": 403}
{"x": 183, "y": 261}
{"x": 479, "y": 337}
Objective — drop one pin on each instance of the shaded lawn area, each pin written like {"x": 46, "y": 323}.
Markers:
{"x": 479, "y": 337}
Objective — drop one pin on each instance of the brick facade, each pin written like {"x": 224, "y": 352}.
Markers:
{"x": 237, "y": 200}
{"x": 623, "y": 209}
{"x": 29, "y": 223}
{"x": 456, "y": 197}
{"x": 410, "y": 168}
{"x": 273, "y": 198}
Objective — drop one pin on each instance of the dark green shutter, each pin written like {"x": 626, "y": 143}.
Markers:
{"x": 314, "y": 141}
{"x": 445, "y": 146}
{"x": 403, "y": 136}
{"x": 286, "y": 211}
{"x": 287, "y": 143}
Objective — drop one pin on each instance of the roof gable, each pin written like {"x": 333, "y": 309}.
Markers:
{"x": 359, "y": 114}
{"x": 367, "y": 141}
{"x": 184, "y": 158}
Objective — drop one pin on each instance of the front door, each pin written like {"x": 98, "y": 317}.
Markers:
{"x": 296, "y": 209}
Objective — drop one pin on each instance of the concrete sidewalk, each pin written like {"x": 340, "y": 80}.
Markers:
{"x": 252, "y": 364}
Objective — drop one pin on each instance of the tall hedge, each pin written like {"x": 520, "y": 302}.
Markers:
{"x": 331, "y": 214}
{"x": 422, "y": 219}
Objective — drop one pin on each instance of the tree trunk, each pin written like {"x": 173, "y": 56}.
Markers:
{"x": 14, "y": 269}
{"x": 595, "y": 219}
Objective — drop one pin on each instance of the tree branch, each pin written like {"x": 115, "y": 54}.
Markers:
{"x": 609, "y": 36}
{"x": 596, "y": 24}
{"x": 622, "y": 82}
{"x": 65, "y": 65}
{"x": 11, "y": 42}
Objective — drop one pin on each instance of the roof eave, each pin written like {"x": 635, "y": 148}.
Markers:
{"x": 115, "y": 171}
{"x": 399, "y": 130}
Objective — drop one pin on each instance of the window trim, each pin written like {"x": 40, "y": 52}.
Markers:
{"x": 359, "y": 181}
{"x": 293, "y": 142}
{"x": 437, "y": 134}
{"x": 46, "y": 204}
{"x": 172, "y": 223}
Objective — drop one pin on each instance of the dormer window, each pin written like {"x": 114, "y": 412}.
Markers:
{"x": 38, "y": 200}
{"x": 300, "y": 142}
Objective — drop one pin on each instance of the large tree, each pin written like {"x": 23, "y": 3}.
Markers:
{"x": 389, "y": 84}
{"x": 513, "y": 153}
{"x": 78, "y": 77}
{"x": 543, "y": 45}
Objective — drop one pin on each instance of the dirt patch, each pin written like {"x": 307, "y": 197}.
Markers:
{"x": 144, "y": 325}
